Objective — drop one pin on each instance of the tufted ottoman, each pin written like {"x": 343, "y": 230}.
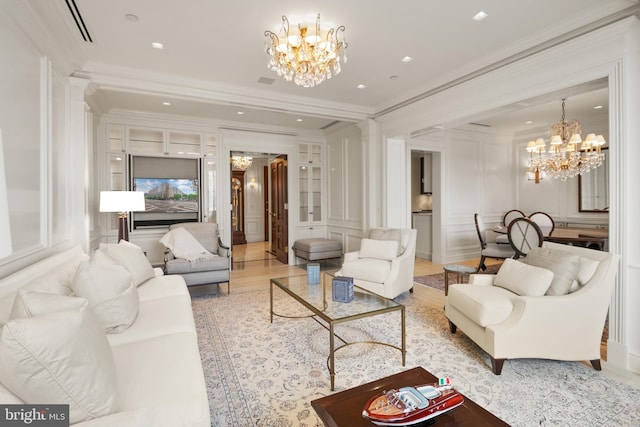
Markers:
{"x": 317, "y": 249}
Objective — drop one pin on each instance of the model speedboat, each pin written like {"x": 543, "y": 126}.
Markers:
{"x": 411, "y": 405}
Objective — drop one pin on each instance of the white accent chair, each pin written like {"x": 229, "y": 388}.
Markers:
{"x": 384, "y": 263}
{"x": 514, "y": 314}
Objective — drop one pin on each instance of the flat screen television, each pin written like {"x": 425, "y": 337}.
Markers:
{"x": 167, "y": 201}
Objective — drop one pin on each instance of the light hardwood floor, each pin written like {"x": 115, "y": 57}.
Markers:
{"x": 253, "y": 266}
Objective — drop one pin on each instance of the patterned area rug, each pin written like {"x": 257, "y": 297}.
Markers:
{"x": 266, "y": 374}
{"x": 436, "y": 281}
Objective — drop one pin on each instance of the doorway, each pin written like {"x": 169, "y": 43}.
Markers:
{"x": 259, "y": 211}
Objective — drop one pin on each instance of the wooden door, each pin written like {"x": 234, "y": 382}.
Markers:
{"x": 267, "y": 194}
{"x": 279, "y": 212}
{"x": 237, "y": 211}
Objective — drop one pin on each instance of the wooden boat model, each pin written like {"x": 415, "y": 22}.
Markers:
{"x": 411, "y": 405}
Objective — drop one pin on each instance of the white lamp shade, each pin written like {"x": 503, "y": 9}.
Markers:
{"x": 121, "y": 201}
{"x": 5, "y": 226}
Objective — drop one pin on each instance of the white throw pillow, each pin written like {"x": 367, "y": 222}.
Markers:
{"x": 564, "y": 265}
{"x": 523, "y": 279}
{"x": 388, "y": 234}
{"x": 378, "y": 249}
{"x": 111, "y": 293}
{"x": 60, "y": 357}
{"x": 130, "y": 257}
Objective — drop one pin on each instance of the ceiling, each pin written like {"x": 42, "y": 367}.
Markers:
{"x": 213, "y": 57}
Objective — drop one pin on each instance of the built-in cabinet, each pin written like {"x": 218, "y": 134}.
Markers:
{"x": 423, "y": 223}
{"x": 311, "y": 217}
{"x": 121, "y": 141}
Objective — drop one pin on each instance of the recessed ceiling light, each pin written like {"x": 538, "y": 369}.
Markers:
{"x": 597, "y": 107}
{"x": 157, "y": 45}
{"x": 528, "y": 122}
{"x": 166, "y": 103}
{"x": 407, "y": 59}
{"x": 131, "y": 17}
{"x": 480, "y": 16}
{"x": 240, "y": 113}
{"x": 299, "y": 120}
{"x": 361, "y": 86}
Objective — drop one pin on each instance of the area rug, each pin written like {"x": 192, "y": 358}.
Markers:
{"x": 436, "y": 281}
{"x": 266, "y": 374}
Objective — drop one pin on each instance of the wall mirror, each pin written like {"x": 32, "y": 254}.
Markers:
{"x": 593, "y": 188}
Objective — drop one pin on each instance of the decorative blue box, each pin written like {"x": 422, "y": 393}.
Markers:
{"x": 342, "y": 289}
{"x": 313, "y": 274}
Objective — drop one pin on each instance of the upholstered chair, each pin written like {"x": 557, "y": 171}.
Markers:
{"x": 384, "y": 263}
{"x": 197, "y": 268}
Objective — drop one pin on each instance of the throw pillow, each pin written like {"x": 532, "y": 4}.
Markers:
{"x": 388, "y": 234}
{"x": 378, "y": 249}
{"x": 523, "y": 279}
{"x": 59, "y": 357}
{"x": 564, "y": 266}
{"x": 111, "y": 294}
{"x": 184, "y": 245}
{"x": 31, "y": 303}
{"x": 130, "y": 257}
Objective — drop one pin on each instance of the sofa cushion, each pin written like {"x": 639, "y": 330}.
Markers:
{"x": 111, "y": 294}
{"x": 523, "y": 279}
{"x": 184, "y": 266}
{"x": 130, "y": 257}
{"x": 564, "y": 266}
{"x": 378, "y": 249}
{"x": 393, "y": 234}
{"x": 484, "y": 305}
{"x": 59, "y": 357}
{"x": 369, "y": 269}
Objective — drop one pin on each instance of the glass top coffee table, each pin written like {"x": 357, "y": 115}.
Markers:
{"x": 328, "y": 313}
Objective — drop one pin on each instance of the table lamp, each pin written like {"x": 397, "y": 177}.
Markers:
{"x": 5, "y": 226}
{"x": 122, "y": 202}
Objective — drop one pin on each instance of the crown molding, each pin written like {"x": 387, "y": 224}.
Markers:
{"x": 136, "y": 81}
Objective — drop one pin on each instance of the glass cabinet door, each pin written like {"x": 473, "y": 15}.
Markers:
{"x": 303, "y": 176}
{"x": 310, "y": 181}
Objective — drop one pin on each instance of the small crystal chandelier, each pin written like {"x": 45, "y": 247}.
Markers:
{"x": 568, "y": 155}
{"x": 241, "y": 162}
{"x": 304, "y": 57}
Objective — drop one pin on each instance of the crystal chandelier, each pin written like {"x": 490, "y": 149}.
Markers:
{"x": 568, "y": 154}
{"x": 302, "y": 56}
{"x": 241, "y": 162}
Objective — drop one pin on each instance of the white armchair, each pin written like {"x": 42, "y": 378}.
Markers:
{"x": 384, "y": 263}
{"x": 513, "y": 315}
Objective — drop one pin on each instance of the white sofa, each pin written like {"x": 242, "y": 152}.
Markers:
{"x": 521, "y": 313}
{"x": 159, "y": 379}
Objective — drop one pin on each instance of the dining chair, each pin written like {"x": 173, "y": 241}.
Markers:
{"x": 524, "y": 235}
{"x": 506, "y": 220}
{"x": 544, "y": 221}
{"x": 511, "y": 215}
{"x": 490, "y": 249}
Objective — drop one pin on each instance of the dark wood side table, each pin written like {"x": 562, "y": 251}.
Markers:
{"x": 344, "y": 409}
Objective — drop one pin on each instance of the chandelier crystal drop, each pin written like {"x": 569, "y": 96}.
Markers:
{"x": 568, "y": 154}
{"x": 241, "y": 162}
{"x": 307, "y": 56}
